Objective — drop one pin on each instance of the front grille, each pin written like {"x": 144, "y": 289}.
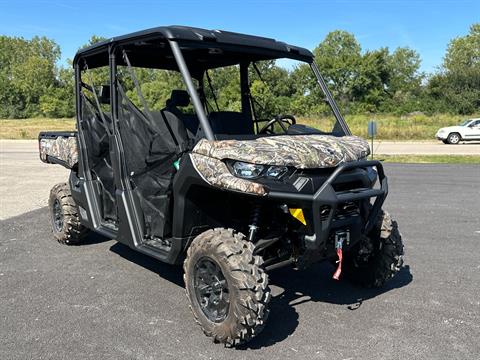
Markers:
{"x": 343, "y": 211}
{"x": 347, "y": 209}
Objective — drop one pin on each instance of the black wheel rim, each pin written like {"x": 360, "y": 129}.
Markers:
{"x": 211, "y": 290}
{"x": 57, "y": 216}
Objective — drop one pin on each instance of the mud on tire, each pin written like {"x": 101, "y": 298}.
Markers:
{"x": 246, "y": 286}
{"x": 378, "y": 257}
{"x": 64, "y": 216}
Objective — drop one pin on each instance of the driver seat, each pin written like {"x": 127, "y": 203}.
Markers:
{"x": 180, "y": 98}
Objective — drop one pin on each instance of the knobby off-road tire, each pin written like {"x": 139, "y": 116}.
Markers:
{"x": 245, "y": 286}
{"x": 64, "y": 216}
{"x": 378, "y": 257}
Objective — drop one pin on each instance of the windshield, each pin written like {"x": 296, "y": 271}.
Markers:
{"x": 282, "y": 96}
{"x": 465, "y": 122}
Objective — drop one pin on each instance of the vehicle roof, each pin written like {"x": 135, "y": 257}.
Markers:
{"x": 238, "y": 45}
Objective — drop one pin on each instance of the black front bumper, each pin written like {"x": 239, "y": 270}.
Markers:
{"x": 326, "y": 195}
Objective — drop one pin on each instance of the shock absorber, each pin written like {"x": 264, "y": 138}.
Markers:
{"x": 254, "y": 221}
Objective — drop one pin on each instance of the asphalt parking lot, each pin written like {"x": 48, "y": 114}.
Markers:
{"x": 102, "y": 300}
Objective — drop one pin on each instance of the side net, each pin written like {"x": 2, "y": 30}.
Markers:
{"x": 149, "y": 154}
{"x": 95, "y": 125}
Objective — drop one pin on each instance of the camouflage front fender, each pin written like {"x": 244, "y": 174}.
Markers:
{"x": 299, "y": 151}
{"x": 216, "y": 173}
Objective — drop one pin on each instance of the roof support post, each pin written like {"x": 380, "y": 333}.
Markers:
{"x": 245, "y": 90}
{"x": 329, "y": 98}
{"x": 197, "y": 104}
{"x": 83, "y": 160}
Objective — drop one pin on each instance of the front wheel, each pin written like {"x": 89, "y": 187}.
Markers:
{"x": 378, "y": 256}
{"x": 453, "y": 138}
{"x": 227, "y": 286}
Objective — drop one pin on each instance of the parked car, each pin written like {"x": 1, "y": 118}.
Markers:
{"x": 468, "y": 130}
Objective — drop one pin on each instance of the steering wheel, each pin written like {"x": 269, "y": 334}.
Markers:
{"x": 282, "y": 120}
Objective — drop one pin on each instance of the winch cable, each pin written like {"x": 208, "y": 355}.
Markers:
{"x": 338, "y": 246}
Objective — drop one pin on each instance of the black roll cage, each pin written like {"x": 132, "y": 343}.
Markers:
{"x": 113, "y": 48}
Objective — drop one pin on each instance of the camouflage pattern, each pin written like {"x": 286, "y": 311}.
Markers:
{"x": 216, "y": 173}
{"x": 299, "y": 151}
{"x": 62, "y": 148}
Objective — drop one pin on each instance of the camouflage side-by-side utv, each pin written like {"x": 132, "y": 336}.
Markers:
{"x": 231, "y": 188}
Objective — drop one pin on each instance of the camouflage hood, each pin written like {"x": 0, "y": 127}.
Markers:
{"x": 299, "y": 151}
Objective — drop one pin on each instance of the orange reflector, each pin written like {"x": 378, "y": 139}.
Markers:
{"x": 298, "y": 214}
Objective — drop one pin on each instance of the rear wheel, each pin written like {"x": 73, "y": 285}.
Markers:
{"x": 64, "y": 217}
{"x": 378, "y": 256}
{"x": 227, "y": 286}
{"x": 453, "y": 138}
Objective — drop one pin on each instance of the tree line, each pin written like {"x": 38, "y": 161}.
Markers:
{"x": 373, "y": 81}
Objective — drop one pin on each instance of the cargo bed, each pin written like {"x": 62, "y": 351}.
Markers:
{"x": 58, "y": 147}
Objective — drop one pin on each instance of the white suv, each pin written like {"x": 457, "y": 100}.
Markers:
{"x": 468, "y": 130}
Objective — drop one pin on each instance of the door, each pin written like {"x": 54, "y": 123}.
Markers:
{"x": 149, "y": 157}
{"x": 473, "y": 131}
{"x": 96, "y": 124}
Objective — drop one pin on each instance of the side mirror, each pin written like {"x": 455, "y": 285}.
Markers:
{"x": 104, "y": 97}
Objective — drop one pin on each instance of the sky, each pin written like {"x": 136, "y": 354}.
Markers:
{"x": 424, "y": 25}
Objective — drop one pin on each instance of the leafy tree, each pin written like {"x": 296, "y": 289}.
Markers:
{"x": 405, "y": 78}
{"x": 377, "y": 80}
{"x": 464, "y": 52}
{"x": 27, "y": 71}
{"x": 272, "y": 89}
{"x": 371, "y": 80}
{"x": 338, "y": 57}
{"x": 226, "y": 87}
{"x": 456, "y": 88}
{"x": 59, "y": 100}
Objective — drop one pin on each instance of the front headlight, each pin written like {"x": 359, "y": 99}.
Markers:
{"x": 252, "y": 171}
{"x": 246, "y": 170}
{"x": 276, "y": 171}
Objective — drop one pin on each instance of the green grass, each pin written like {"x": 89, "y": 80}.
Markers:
{"x": 390, "y": 127}
{"x": 29, "y": 128}
{"x": 429, "y": 159}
